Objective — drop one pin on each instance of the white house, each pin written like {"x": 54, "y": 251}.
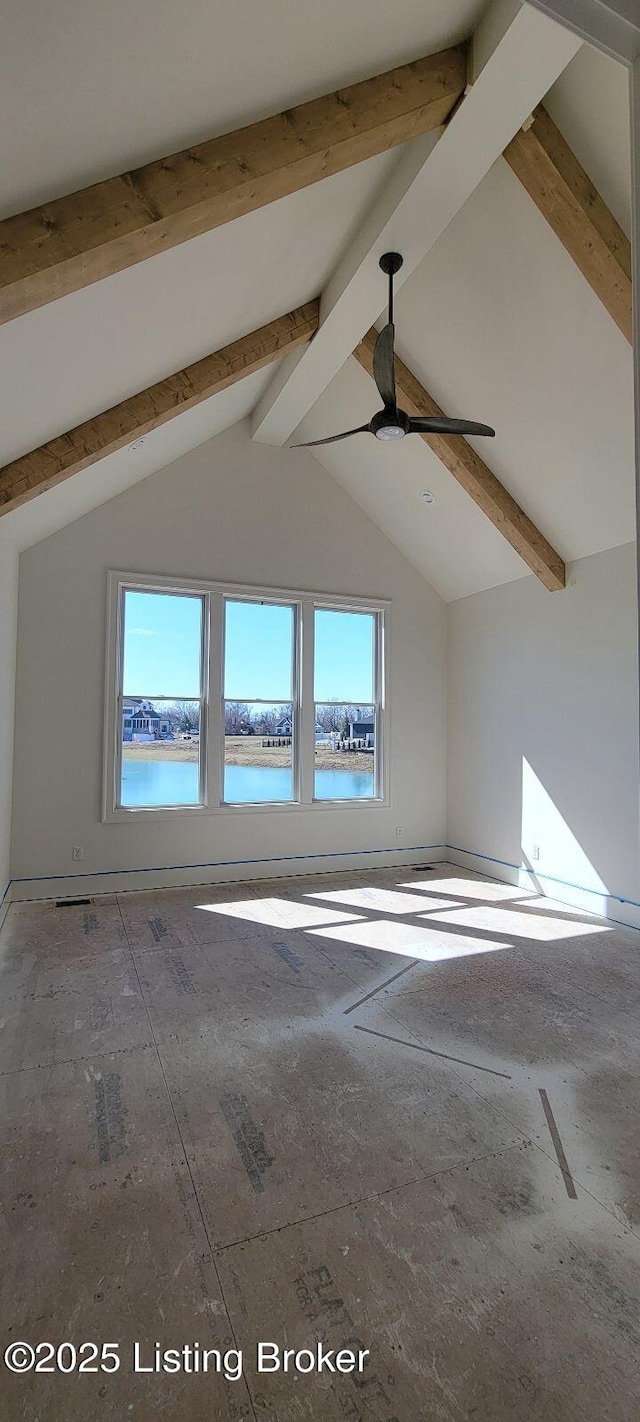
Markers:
{"x": 141, "y": 721}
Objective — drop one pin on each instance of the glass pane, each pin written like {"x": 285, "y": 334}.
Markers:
{"x": 344, "y": 652}
{"x": 345, "y": 752}
{"x": 258, "y": 651}
{"x": 160, "y": 752}
{"x": 162, "y": 644}
{"x": 258, "y": 752}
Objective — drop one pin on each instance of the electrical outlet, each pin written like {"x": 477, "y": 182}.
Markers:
{"x": 77, "y": 851}
{"x": 399, "y": 831}
{"x": 535, "y": 851}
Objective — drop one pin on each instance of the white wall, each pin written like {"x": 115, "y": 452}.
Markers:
{"x": 543, "y": 733}
{"x": 230, "y": 510}
{"x": 8, "y": 615}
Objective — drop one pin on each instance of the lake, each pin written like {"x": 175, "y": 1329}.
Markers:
{"x": 175, "y": 782}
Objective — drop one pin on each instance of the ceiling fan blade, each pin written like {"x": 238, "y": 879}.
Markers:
{"x": 331, "y": 439}
{"x": 383, "y": 367}
{"x": 439, "y": 424}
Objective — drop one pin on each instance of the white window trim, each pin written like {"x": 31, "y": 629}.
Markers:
{"x": 214, "y": 594}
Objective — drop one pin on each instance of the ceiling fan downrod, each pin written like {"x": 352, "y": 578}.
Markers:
{"x": 390, "y": 263}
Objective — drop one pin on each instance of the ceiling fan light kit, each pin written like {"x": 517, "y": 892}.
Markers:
{"x": 391, "y": 423}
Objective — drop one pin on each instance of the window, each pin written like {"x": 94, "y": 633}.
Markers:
{"x": 161, "y": 706}
{"x": 345, "y": 708}
{"x": 260, "y": 720}
{"x": 220, "y": 699}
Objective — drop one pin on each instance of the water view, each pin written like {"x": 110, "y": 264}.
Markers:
{"x": 175, "y": 782}
{"x": 162, "y": 650}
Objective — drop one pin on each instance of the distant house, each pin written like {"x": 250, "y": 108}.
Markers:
{"x": 363, "y": 731}
{"x": 142, "y": 722}
{"x": 283, "y": 727}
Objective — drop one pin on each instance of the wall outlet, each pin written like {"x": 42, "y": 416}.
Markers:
{"x": 77, "y": 851}
{"x": 535, "y": 851}
{"x": 399, "y": 831}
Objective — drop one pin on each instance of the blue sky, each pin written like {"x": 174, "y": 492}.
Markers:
{"x": 343, "y": 656}
{"x": 162, "y": 650}
{"x": 162, "y": 645}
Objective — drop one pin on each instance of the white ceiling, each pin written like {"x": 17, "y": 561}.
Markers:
{"x": 89, "y": 88}
{"x": 496, "y": 321}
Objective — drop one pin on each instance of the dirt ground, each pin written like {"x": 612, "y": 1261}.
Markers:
{"x": 248, "y": 750}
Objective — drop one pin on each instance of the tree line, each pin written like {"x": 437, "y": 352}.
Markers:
{"x": 241, "y": 719}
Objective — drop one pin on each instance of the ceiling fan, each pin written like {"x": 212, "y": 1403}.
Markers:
{"x": 391, "y": 422}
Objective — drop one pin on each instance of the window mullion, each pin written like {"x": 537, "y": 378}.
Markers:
{"x": 381, "y": 730}
{"x": 116, "y": 776}
{"x": 307, "y": 710}
{"x": 213, "y": 694}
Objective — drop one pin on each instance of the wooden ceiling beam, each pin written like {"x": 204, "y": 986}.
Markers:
{"x": 548, "y": 169}
{"x": 69, "y": 243}
{"x": 68, "y": 454}
{"x": 474, "y": 475}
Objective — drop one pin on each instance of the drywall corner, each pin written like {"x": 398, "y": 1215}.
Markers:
{"x": 8, "y": 626}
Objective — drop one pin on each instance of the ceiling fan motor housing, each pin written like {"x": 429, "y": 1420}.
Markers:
{"x": 390, "y": 424}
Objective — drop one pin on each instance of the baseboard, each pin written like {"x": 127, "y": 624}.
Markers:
{"x": 604, "y": 905}
{"x": 71, "y": 886}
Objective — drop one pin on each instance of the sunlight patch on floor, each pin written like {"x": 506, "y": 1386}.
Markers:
{"x": 469, "y": 888}
{"x": 556, "y": 907}
{"x": 383, "y": 900}
{"x": 432, "y": 946}
{"x": 524, "y": 925}
{"x": 278, "y": 913}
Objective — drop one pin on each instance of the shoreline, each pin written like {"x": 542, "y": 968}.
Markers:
{"x": 247, "y": 750}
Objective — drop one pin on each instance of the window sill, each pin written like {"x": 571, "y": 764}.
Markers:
{"x": 172, "y": 812}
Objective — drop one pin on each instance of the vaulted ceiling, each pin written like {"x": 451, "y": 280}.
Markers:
{"x": 495, "y": 319}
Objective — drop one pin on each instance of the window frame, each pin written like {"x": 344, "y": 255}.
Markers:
{"x": 214, "y": 595}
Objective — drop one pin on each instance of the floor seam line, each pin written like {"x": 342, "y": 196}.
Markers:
{"x": 71, "y": 1061}
{"x": 433, "y": 1052}
{"x": 185, "y": 1153}
{"x": 377, "y": 1195}
{"x": 387, "y": 983}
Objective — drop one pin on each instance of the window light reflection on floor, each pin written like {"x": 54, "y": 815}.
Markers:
{"x": 382, "y": 900}
{"x": 387, "y": 936}
{"x": 509, "y": 921}
{"x": 279, "y": 913}
{"x": 468, "y": 888}
{"x": 557, "y": 909}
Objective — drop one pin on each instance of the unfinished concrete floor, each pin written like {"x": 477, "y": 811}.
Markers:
{"x": 396, "y": 1107}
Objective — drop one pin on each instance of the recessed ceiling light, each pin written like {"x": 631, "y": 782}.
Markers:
{"x": 137, "y": 443}
{"x": 428, "y": 497}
